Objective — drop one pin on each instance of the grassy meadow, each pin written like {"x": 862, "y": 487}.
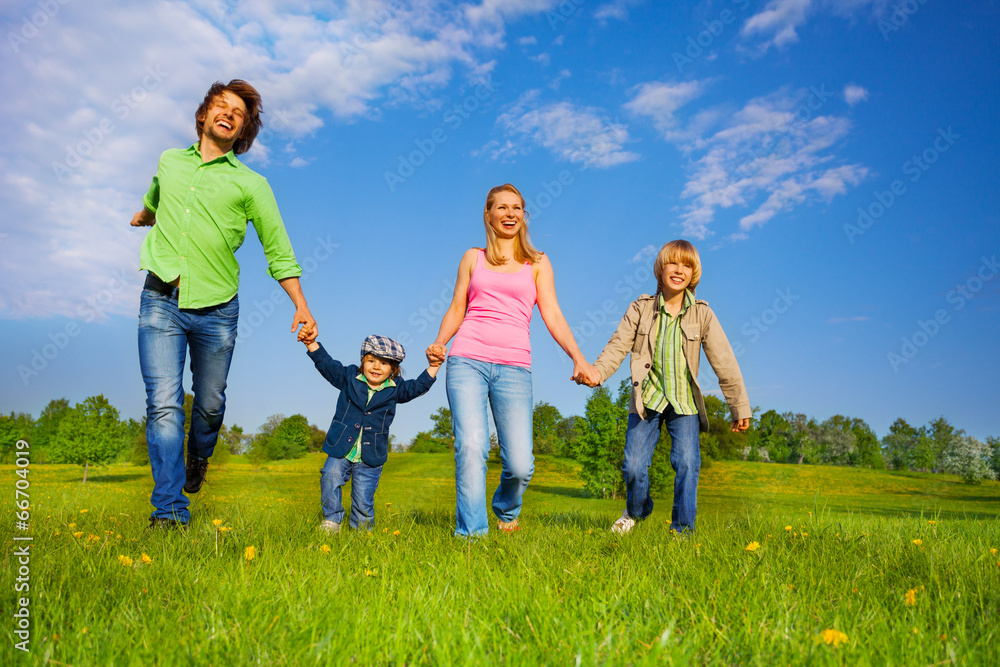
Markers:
{"x": 790, "y": 565}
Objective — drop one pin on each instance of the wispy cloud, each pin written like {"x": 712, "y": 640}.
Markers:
{"x": 577, "y": 134}
{"x": 770, "y": 156}
{"x": 853, "y": 94}
{"x": 617, "y": 10}
{"x": 659, "y": 101}
{"x": 778, "y": 23}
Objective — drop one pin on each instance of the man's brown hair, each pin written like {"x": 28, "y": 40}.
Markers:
{"x": 251, "y": 121}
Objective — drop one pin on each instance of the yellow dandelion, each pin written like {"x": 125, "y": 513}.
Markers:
{"x": 753, "y": 546}
{"x": 915, "y": 631}
{"x": 788, "y": 528}
{"x": 805, "y": 534}
{"x": 932, "y": 523}
{"x": 83, "y": 631}
{"x": 216, "y": 522}
{"x": 249, "y": 553}
{"x": 918, "y": 542}
{"x": 78, "y": 535}
{"x": 84, "y": 511}
{"x": 911, "y": 597}
{"x": 791, "y": 587}
{"x": 72, "y": 525}
{"x": 993, "y": 552}
{"x": 225, "y": 529}
{"x": 146, "y": 560}
{"x": 93, "y": 538}
{"x": 834, "y": 637}
{"x": 388, "y": 504}
{"x": 325, "y": 548}
{"x": 385, "y": 530}
{"x": 395, "y": 533}
{"x": 371, "y": 573}
{"x": 125, "y": 561}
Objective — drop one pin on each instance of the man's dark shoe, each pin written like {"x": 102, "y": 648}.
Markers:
{"x": 162, "y": 522}
{"x": 196, "y": 470}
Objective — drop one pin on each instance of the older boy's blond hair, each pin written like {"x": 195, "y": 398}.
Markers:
{"x": 680, "y": 252}
{"x": 523, "y": 250}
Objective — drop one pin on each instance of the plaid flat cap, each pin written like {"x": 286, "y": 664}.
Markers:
{"x": 383, "y": 346}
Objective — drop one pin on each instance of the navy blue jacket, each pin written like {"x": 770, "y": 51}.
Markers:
{"x": 355, "y": 413}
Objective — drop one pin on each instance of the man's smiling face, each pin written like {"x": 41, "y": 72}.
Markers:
{"x": 223, "y": 121}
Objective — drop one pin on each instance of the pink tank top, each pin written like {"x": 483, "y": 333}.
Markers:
{"x": 495, "y": 328}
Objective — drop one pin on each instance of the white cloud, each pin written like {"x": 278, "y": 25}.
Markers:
{"x": 778, "y": 22}
{"x": 576, "y": 134}
{"x": 854, "y": 94}
{"x": 617, "y": 10}
{"x": 659, "y": 101}
{"x": 542, "y": 59}
{"x": 770, "y": 156}
{"x": 106, "y": 87}
{"x": 298, "y": 163}
{"x": 527, "y": 41}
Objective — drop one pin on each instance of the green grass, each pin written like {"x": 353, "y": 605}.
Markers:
{"x": 562, "y": 591}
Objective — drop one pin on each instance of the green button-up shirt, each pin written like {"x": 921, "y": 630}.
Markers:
{"x": 202, "y": 210}
{"x": 668, "y": 382}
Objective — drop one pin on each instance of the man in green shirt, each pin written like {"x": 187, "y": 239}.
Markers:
{"x": 199, "y": 205}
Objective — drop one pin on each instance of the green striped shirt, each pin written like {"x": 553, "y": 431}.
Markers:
{"x": 355, "y": 454}
{"x": 669, "y": 380}
{"x": 202, "y": 210}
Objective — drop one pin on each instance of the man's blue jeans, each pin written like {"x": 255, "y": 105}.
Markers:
{"x": 685, "y": 458}
{"x": 471, "y": 386}
{"x": 334, "y": 475}
{"x": 165, "y": 334}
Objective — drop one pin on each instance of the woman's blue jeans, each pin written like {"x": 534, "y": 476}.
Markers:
{"x": 685, "y": 458}
{"x": 334, "y": 475}
{"x": 472, "y": 386}
{"x": 165, "y": 334}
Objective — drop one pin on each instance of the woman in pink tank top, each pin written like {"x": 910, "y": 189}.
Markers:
{"x": 489, "y": 365}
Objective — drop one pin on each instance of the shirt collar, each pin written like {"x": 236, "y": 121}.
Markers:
{"x": 195, "y": 149}
{"x": 662, "y": 303}
{"x": 389, "y": 382}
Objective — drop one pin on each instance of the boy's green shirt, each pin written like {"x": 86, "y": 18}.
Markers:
{"x": 202, "y": 210}
{"x": 668, "y": 381}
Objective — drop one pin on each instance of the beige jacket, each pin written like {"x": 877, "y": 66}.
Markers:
{"x": 636, "y": 334}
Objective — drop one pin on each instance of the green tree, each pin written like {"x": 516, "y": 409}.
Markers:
{"x": 569, "y": 433}
{"x": 602, "y": 447}
{"x": 289, "y": 439}
{"x": 771, "y": 431}
{"x": 902, "y": 445}
{"x": 545, "y": 420}
{"x": 233, "y": 439}
{"x": 14, "y": 427}
{"x": 993, "y": 443}
{"x": 48, "y": 424}
{"x": 138, "y": 453}
{"x": 720, "y": 443}
{"x": 835, "y": 442}
{"x": 939, "y": 435}
{"x": 440, "y": 438}
{"x": 317, "y": 437}
{"x": 91, "y": 433}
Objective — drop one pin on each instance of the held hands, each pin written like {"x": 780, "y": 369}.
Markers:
{"x": 309, "y": 331}
{"x": 584, "y": 373}
{"x": 436, "y": 354}
{"x": 307, "y": 335}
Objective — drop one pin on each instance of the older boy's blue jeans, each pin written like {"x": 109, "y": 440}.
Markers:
{"x": 471, "y": 385}
{"x": 685, "y": 458}
{"x": 364, "y": 480}
{"x": 165, "y": 334}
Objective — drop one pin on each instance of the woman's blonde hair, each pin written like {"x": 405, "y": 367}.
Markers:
{"x": 523, "y": 250}
{"x": 680, "y": 252}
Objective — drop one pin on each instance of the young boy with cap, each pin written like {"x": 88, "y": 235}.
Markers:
{"x": 358, "y": 439}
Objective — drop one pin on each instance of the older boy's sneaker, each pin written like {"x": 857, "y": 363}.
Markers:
{"x": 508, "y": 526}
{"x": 331, "y": 527}
{"x": 163, "y": 523}
{"x": 624, "y": 524}
{"x": 196, "y": 469}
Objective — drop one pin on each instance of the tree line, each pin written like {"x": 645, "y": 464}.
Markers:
{"x": 93, "y": 433}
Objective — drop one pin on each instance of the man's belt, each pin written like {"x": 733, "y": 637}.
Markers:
{"x": 157, "y": 285}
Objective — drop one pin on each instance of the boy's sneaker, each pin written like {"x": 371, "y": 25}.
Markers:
{"x": 624, "y": 524}
{"x": 331, "y": 527}
{"x": 162, "y": 522}
{"x": 508, "y": 526}
{"x": 196, "y": 469}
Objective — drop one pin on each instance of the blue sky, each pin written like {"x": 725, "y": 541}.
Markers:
{"x": 835, "y": 161}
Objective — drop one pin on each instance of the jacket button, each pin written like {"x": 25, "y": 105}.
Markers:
{"x": 357, "y": 426}
{"x": 635, "y": 384}
{"x": 350, "y": 440}
{"x": 647, "y": 365}
{"x": 368, "y": 413}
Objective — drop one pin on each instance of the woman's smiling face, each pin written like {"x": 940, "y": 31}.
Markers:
{"x": 506, "y": 216}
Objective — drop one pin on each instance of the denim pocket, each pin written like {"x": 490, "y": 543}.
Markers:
{"x": 228, "y": 310}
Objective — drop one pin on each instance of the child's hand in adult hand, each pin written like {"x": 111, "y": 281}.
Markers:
{"x": 584, "y": 373}
{"x": 436, "y": 354}
{"x": 307, "y": 334}
{"x": 740, "y": 425}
